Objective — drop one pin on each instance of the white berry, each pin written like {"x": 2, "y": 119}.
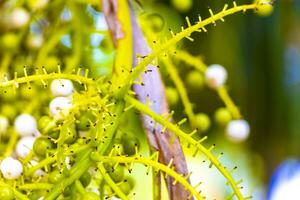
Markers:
{"x": 19, "y": 17}
{"x": 216, "y": 76}
{"x": 24, "y": 146}
{"x": 35, "y": 41}
{"x": 11, "y": 168}
{"x": 59, "y": 107}
{"x": 3, "y": 124}
{"x": 238, "y": 130}
{"x": 62, "y": 87}
{"x": 26, "y": 125}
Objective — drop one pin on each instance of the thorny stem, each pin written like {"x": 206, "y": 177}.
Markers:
{"x": 174, "y": 129}
{"x": 183, "y": 34}
{"x": 43, "y": 77}
{"x": 148, "y": 162}
{"x": 181, "y": 90}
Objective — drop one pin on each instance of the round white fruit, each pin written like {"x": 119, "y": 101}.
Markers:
{"x": 25, "y": 125}
{"x": 24, "y": 146}
{"x": 59, "y": 107}
{"x": 238, "y": 130}
{"x": 216, "y": 76}
{"x": 11, "y": 168}
{"x": 19, "y": 17}
{"x": 61, "y": 87}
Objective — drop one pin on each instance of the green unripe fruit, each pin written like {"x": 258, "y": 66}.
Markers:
{"x": 6, "y": 193}
{"x": 156, "y": 22}
{"x": 28, "y": 92}
{"x": 91, "y": 196}
{"x": 42, "y": 145}
{"x": 45, "y": 124}
{"x": 55, "y": 176}
{"x": 195, "y": 80}
{"x": 265, "y": 7}
{"x": 9, "y": 41}
{"x": 223, "y": 116}
{"x": 54, "y": 134}
{"x": 116, "y": 173}
{"x": 130, "y": 143}
{"x": 182, "y": 5}
{"x": 8, "y": 94}
{"x": 172, "y": 95}
{"x": 202, "y": 121}
{"x": 71, "y": 135}
{"x": 84, "y": 121}
{"x": 125, "y": 187}
{"x": 9, "y": 111}
{"x": 85, "y": 179}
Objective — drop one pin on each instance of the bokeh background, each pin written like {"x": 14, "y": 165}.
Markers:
{"x": 261, "y": 54}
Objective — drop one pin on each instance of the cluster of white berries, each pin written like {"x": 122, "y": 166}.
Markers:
{"x": 237, "y": 130}
{"x": 62, "y": 89}
{"x": 26, "y": 127}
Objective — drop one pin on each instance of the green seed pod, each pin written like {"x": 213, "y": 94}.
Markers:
{"x": 172, "y": 95}
{"x": 116, "y": 173}
{"x": 28, "y": 92}
{"x": 85, "y": 179}
{"x": 126, "y": 187}
{"x": 129, "y": 144}
{"x": 55, "y": 176}
{"x": 155, "y": 21}
{"x": 83, "y": 121}
{"x": 182, "y": 5}
{"x": 54, "y": 134}
{"x": 223, "y": 116}
{"x": 9, "y": 111}
{"x": 71, "y": 135}
{"x": 195, "y": 80}
{"x": 9, "y": 41}
{"x": 45, "y": 124}
{"x": 41, "y": 146}
{"x": 202, "y": 121}
{"x": 8, "y": 94}
{"x": 6, "y": 193}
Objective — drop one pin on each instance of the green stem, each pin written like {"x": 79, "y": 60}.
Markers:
{"x": 181, "y": 89}
{"x": 80, "y": 187}
{"x": 174, "y": 129}
{"x": 156, "y": 165}
{"x": 36, "y": 186}
{"x": 11, "y": 144}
